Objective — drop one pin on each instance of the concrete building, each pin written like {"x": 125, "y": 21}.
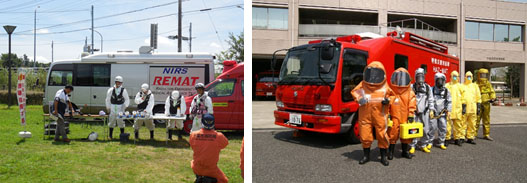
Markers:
{"x": 482, "y": 33}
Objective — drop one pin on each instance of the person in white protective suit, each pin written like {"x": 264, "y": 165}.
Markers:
{"x": 117, "y": 100}
{"x": 175, "y": 106}
{"x": 201, "y": 104}
{"x": 145, "y": 103}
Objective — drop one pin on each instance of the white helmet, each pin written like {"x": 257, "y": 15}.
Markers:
{"x": 118, "y": 79}
{"x": 199, "y": 85}
{"x": 175, "y": 94}
{"x": 93, "y": 136}
{"x": 144, "y": 87}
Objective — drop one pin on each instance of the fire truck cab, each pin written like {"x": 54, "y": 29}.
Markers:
{"x": 315, "y": 82}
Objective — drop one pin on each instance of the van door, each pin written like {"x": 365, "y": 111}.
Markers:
{"x": 82, "y": 81}
{"x": 60, "y": 76}
{"x": 223, "y": 99}
{"x": 237, "y": 122}
{"x": 101, "y": 83}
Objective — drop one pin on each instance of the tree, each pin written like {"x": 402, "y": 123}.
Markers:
{"x": 16, "y": 62}
{"x": 513, "y": 72}
{"x": 25, "y": 60}
{"x": 235, "y": 50}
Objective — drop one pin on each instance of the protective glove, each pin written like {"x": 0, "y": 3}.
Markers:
{"x": 362, "y": 101}
{"x": 479, "y": 108}
{"x": 411, "y": 119}
{"x": 464, "y": 109}
{"x": 492, "y": 100}
{"x": 432, "y": 113}
{"x": 390, "y": 122}
{"x": 385, "y": 101}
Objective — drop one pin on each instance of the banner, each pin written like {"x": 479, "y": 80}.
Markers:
{"x": 21, "y": 95}
{"x": 164, "y": 80}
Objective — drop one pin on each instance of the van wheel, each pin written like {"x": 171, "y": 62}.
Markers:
{"x": 353, "y": 136}
{"x": 158, "y": 109}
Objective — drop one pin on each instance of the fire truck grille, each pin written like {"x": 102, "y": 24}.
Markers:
{"x": 299, "y": 106}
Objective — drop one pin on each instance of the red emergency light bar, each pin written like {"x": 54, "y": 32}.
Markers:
{"x": 350, "y": 39}
{"x": 427, "y": 43}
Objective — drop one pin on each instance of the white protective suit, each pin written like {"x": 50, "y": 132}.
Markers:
{"x": 114, "y": 109}
{"x": 140, "y": 97}
{"x": 172, "y": 124}
{"x": 200, "y": 105}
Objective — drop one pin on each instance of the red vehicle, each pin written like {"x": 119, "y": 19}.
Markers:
{"x": 316, "y": 79}
{"x": 226, "y": 93}
{"x": 265, "y": 84}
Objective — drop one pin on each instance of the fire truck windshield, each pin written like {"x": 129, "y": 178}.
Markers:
{"x": 302, "y": 66}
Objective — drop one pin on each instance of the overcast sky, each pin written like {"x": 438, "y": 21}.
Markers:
{"x": 224, "y": 17}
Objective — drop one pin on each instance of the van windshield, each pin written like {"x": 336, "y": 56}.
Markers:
{"x": 301, "y": 66}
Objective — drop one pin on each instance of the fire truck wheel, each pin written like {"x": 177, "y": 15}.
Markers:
{"x": 352, "y": 136}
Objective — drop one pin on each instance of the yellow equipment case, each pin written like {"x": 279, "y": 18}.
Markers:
{"x": 411, "y": 130}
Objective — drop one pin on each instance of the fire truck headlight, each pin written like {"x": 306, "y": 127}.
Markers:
{"x": 279, "y": 104}
{"x": 323, "y": 107}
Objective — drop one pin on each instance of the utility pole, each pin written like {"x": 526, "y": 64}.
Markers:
{"x": 52, "y": 51}
{"x": 179, "y": 26}
{"x": 35, "y": 39}
{"x": 92, "y": 46}
{"x": 190, "y": 38}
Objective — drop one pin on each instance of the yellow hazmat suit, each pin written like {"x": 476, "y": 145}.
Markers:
{"x": 455, "y": 118}
{"x": 487, "y": 96}
{"x": 473, "y": 101}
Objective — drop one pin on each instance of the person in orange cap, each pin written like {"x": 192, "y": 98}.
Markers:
{"x": 207, "y": 144}
{"x": 373, "y": 94}
{"x": 401, "y": 110}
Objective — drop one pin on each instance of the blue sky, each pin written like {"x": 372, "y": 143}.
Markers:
{"x": 120, "y": 37}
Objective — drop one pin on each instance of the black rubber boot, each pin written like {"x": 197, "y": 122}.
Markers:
{"x": 405, "y": 153}
{"x": 180, "y": 135}
{"x": 462, "y": 141}
{"x": 136, "y": 134}
{"x": 366, "y": 156}
{"x": 111, "y": 133}
{"x": 384, "y": 161}
{"x": 447, "y": 142}
{"x": 170, "y": 134}
{"x": 391, "y": 149}
{"x": 122, "y": 130}
{"x": 457, "y": 142}
{"x": 471, "y": 141}
{"x": 152, "y": 135}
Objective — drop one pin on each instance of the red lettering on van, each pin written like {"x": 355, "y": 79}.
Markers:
{"x": 175, "y": 81}
{"x": 185, "y": 81}
{"x": 158, "y": 80}
{"x": 194, "y": 80}
{"x": 165, "y": 80}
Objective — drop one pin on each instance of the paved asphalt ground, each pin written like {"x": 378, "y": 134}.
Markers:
{"x": 314, "y": 157}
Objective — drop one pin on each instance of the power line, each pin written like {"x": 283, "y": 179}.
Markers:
{"x": 214, "y": 26}
{"x": 57, "y": 11}
{"x": 133, "y": 21}
{"x": 103, "y": 17}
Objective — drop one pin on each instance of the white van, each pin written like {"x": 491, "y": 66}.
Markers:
{"x": 92, "y": 75}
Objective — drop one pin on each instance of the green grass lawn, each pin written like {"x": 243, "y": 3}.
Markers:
{"x": 39, "y": 160}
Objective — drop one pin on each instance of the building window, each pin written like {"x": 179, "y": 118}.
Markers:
{"x": 486, "y": 31}
{"x": 400, "y": 61}
{"x": 472, "y": 30}
{"x": 270, "y": 18}
{"x": 493, "y": 32}
{"x": 515, "y": 33}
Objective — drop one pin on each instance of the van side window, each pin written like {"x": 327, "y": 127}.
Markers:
{"x": 425, "y": 67}
{"x": 222, "y": 88}
{"x": 61, "y": 75}
{"x": 242, "y": 88}
{"x": 354, "y": 62}
{"x": 400, "y": 61}
{"x": 92, "y": 74}
{"x": 101, "y": 74}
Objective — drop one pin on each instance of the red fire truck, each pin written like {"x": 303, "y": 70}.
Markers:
{"x": 265, "y": 84}
{"x": 314, "y": 88}
{"x": 226, "y": 93}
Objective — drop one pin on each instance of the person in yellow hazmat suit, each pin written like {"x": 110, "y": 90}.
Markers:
{"x": 455, "y": 117}
{"x": 487, "y": 96}
{"x": 473, "y": 102}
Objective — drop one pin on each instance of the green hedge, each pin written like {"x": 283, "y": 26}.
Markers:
{"x": 33, "y": 98}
